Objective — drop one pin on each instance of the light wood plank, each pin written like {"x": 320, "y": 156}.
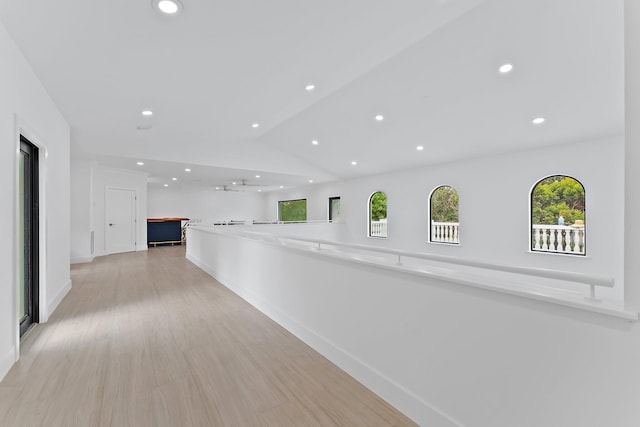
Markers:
{"x": 148, "y": 339}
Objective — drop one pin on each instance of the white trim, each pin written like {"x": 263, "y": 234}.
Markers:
{"x": 404, "y": 400}
{"x": 53, "y": 304}
{"x": 16, "y": 249}
{"x": 22, "y": 128}
{"x": 82, "y": 259}
{"x": 7, "y": 361}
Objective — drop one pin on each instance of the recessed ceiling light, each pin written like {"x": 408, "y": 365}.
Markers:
{"x": 314, "y": 142}
{"x": 233, "y": 183}
{"x": 217, "y": 188}
{"x": 187, "y": 170}
{"x": 168, "y": 7}
{"x": 419, "y": 148}
{"x": 166, "y": 185}
{"x": 257, "y": 176}
{"x": 147, "y": 113}
{"x": 255, "y": 125}
{"x": 379, "y": 118}
{"x": 259, "y": 191}
{"x": 505, "y": 68}
{"x": 282, "y": 186}
{"x": 354, "y": 163}
{"x": 538, "y": 120}
{"x": 310, "y": 181}
{"x": 174, "y": 179}
{"x": 310, "y": 88}
{"x": 140, "y": 163}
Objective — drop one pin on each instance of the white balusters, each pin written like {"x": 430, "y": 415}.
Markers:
{"x": 445, "y": 232}
{"x": 553, "y": 241}
{"x": 558, "y": 238}
{"x": 536, "y": 239}
{"x": 379, "y": 228}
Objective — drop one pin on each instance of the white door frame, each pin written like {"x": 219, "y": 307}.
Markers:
{"x": 21, "y": 128}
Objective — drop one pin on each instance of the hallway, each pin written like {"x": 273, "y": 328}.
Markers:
{"x": 148, "y": 339}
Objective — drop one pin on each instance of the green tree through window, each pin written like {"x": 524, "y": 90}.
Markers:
{"x": 557, "y": 196}
{"x": 444, "y": 204}
{"x": 292, "y": 210}
{"x": 558, "y": 216}
{"x": 378, "y": 215}
{"x": 378, "y": 206}
{"x": 444, "y": 214}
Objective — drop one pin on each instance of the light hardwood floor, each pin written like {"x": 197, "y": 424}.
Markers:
{"x": 148, "y": 339}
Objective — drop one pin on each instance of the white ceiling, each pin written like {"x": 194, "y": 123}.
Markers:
{"x": 429, "y": 66}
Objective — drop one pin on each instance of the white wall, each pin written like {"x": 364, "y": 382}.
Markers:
{"x": 632, "y": 153}
{"x": 104, "y": 177}
{"x": 81, "y": 250}
{"x": 317, "y": 196}
{"x": 494, "y": 207}
{"x": 204, "y": 203}
{"x": 26, "y": 107}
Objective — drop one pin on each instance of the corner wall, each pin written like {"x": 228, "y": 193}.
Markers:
{"x": 81, "y": 247}
{"x": 632, "y": 153}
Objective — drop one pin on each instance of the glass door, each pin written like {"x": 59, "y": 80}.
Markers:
{"x": 28, "y": 265}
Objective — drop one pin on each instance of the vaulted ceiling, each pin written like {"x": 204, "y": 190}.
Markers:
{"x": 430, "y": 67}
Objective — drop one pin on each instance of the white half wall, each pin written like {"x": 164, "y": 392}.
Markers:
{"x": 444, "y": 354}
{"x": 103, "y": 177}
{"x": 25, "y": 107}
{"x": 204, "y": 203}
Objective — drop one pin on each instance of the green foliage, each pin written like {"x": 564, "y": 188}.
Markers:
{"x": 444, "y": 205}
{"x": 378, "y": 206}
{"x": 292, "y": 210}
{"x": 555, "y": 196}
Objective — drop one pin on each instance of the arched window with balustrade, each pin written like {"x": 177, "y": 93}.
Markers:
{"x": 444, "y": 215}
{"x": 378, "y": 215}
{"x": 558, "y": 221}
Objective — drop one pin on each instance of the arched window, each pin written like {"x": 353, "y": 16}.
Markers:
{"x": 558, "y": 222}
{"x": 444, "y": 214}
{"x": 378, "y": 215}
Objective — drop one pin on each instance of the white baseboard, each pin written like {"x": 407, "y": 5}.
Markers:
{"x": 53, "y": 304}
{"x": 81, "y": 259}
{"x": 6, "y": 362}
{"x": 404, "y": 400}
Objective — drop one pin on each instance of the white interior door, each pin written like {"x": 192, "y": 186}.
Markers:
{"x": 120, "y": 220}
